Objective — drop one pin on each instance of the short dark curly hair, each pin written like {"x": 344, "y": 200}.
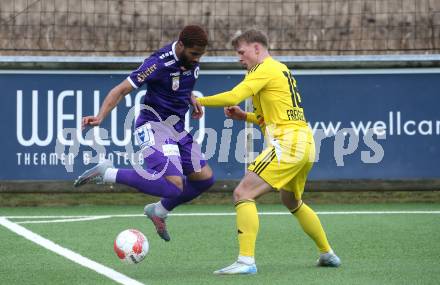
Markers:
{"x": 193, "y": 35}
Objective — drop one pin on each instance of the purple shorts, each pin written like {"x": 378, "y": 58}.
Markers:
{"x": 168, "y": 151}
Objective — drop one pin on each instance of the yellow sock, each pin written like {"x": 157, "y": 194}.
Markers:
{"x": 247, "y": 226}
{"x": 311, "y": 225}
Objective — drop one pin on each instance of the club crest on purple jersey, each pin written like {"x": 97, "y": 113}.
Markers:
{"x": 175, "y": 85}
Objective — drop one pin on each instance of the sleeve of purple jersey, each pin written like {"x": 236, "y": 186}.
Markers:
{"x": 146, "y": 73}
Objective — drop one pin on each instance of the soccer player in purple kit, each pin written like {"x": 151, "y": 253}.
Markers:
{"x": 170, "y": 74}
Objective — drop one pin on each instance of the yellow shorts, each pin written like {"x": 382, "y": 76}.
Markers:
{"x": 286, "y": 167}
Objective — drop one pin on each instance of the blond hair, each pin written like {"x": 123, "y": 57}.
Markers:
{"x": 250, "y": 36}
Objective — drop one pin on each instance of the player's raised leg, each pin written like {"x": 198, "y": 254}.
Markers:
{"x": 104, "y": 172}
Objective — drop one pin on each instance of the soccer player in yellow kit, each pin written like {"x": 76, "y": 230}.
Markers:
{"x": 288, "y": 158}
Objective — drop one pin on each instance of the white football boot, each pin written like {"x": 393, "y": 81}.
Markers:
{"x": 237, "y": 268}
{"x": 94, "y": 174}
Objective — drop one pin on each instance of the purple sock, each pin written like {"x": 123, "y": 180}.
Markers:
{"x": 160, "y": 187}
{"x": 191, "y": 190}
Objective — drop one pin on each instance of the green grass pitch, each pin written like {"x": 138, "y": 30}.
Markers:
{"x": 399, "y": 248}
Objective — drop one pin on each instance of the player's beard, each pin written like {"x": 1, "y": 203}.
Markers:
{"x": 186, "y": 63}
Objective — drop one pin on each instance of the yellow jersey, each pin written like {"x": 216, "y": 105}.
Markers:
{"x": 289, "y": 155}
{"x": 275, "y": 97}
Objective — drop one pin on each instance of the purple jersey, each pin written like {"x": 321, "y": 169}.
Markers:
{"x": 169, "y": 87}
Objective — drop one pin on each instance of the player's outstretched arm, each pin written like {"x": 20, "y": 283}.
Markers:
{"x": 229, "y": 98}
{"x": 111, "y": 100}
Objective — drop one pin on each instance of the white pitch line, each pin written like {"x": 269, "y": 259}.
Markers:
{"x": 47, "y": 217}
{"x": 73, "y": 256}
{"x": 432, "y": 212}
{"x": 92, "y": 218}
{"x": 319, "y": 213}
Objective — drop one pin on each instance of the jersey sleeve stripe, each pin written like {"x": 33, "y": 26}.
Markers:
{"x": 132, "y": 83}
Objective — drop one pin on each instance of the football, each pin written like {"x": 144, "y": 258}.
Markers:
{"x": 131, "y": 246}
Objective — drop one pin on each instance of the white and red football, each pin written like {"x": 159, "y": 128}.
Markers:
{"x": 131, "y": 246}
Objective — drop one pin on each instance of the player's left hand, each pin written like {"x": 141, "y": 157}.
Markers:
{"x": 197, "y": 112}
{"x": 235, "y": 113}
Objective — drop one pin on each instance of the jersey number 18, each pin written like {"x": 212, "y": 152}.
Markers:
{"x": 296, "y": 99}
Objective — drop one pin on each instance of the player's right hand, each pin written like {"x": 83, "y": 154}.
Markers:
{"x": 197, "y": 112}
{"x": 235, "y": 112}
{"x": 90, "y": 121}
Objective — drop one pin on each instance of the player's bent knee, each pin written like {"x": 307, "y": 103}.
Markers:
{"x": 289, "y": 200}
{"x": 176, "y": 180}
{"x": 240, "y": 193}
{"x": 207, "y": 171}
{"x": 204, "y": 174}
{"x": 294, "y": 205}
{"x": 210, "y": 181}
{"x": 201, "y": 185}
